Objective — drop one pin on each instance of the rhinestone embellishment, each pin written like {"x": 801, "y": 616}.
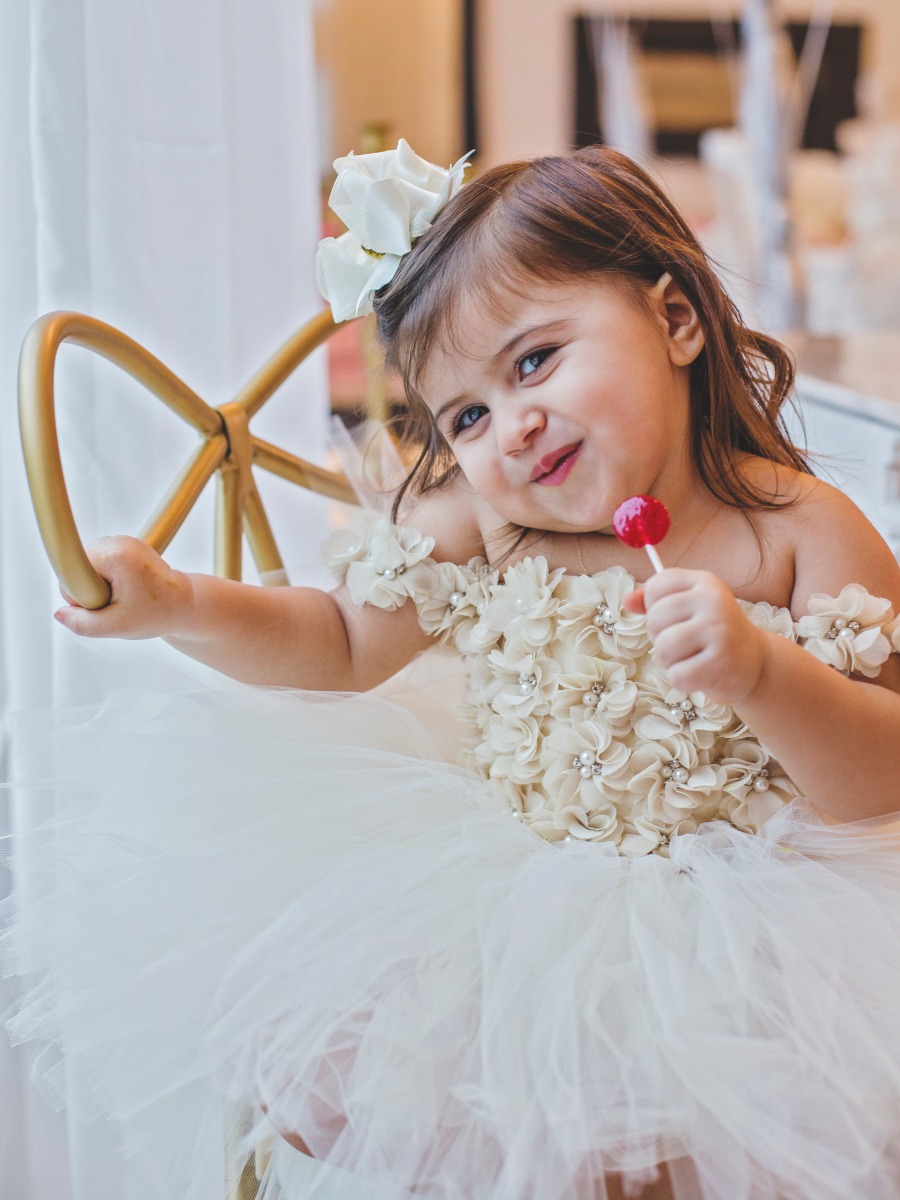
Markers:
{"x": 392, "y": 572}
{"x": 605, "y": 618}
{"x": 586, "y": 765}
{"x": 684, "y": 709}
{"x": 675, "y": 771}
{"x": 842, "y": 629}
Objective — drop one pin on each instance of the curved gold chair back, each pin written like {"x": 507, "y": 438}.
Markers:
{"x": 227, "y": 449}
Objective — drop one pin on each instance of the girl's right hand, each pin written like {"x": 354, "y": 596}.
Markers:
{"x": 701, "y": 637}
{"x": 149, "y": 598}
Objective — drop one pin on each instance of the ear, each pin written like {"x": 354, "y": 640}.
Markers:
{"x": 679, "y": 318}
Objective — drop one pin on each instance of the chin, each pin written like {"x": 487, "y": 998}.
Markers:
{"x": 590, "y": 518}
{"x": 570, "y": 525}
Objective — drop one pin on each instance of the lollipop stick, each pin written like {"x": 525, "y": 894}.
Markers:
{"x": 653, "y": 555}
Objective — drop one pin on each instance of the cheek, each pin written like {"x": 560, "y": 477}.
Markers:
{"x": 479, "y": 467}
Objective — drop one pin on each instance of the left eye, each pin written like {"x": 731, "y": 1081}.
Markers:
{"x": 468, "y": 418}
{"x": 532, "y": 362}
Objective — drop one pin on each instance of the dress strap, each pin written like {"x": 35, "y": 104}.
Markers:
{"x": 854, "y": 632}
{"x": 385, "y": 565}
{"x": 381, "y": 563}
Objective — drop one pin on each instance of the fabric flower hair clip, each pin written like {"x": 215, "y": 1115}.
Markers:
{"x": 387, "y": 201}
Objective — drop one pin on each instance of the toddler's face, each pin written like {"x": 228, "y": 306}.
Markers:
{"x": 565, "y": 403}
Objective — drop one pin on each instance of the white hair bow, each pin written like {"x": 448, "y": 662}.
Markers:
{"x": 386, "y": 200}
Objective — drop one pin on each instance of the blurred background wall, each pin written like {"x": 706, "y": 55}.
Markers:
{"x": 399, "y": 62}
{"x": 394, "y": 63}
{"x": 668, "y": 81}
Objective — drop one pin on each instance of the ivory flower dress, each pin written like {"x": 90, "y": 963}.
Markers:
{"x": 607, "y": 936}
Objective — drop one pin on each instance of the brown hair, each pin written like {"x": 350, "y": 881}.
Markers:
{"x": 558, "y": 218}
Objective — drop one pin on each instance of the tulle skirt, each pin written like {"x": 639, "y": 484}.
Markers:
{"x": 264, "y": 911}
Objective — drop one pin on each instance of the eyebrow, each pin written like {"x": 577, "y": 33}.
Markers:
{"x": 545, "y": 326}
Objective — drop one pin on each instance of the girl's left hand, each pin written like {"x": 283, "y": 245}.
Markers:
{"x": 701, "y": 637}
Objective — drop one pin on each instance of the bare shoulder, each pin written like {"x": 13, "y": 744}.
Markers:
{"x": 830, "y": 542}
{"x": 834, "y": 544}
{"x": 453, "y": 516}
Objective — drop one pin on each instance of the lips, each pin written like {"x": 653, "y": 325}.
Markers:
{"x": 554, "y": 467}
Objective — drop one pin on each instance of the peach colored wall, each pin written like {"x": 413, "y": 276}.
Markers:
{"x": 525, "y": 62}
{"x": 397, "y": 61}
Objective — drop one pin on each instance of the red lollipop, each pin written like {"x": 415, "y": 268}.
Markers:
{"x": 642, "y": 521}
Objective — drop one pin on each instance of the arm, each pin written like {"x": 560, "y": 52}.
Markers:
{"x": 294, "y": 637}
{"x": 291, "y": 637}
{"x": 838, "y": 738}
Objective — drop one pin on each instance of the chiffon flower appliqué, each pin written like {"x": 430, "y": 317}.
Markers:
{"x": 670, "y": 780}
{"x": 381, "y": 563}
{"x": 584, "y": 767}
{"x": 848, "y": 631}
{"x": 524, "y": 683}
{"x": 510, "y": 749}
{"x": 769, "y": 618}
{"x": 454, "y": 592}
{"x": 755, "y": 786}
{"x": 590, "y": 687}
{"x": 523, "y": 606}
{"x": 592, "y": 615}
{"x": 666, "y": 712}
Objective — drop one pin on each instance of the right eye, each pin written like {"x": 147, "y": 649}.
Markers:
{"x": 530, "y": 363}
{"x": 467, "y": 418}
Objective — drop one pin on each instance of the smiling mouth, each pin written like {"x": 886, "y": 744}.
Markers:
{"x": 553, "y": 469}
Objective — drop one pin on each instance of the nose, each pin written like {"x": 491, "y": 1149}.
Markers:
{"x": 517, "y": 427}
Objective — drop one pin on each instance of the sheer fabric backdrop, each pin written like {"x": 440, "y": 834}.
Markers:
{"x": 158, "y": 170}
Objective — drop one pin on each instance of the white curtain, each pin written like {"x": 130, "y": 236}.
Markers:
{"x": 158, "y": 170}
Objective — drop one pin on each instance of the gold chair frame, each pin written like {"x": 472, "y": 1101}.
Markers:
{"x": 227, "y": 450}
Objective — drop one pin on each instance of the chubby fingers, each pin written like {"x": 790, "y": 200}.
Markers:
{"x": 86, "y": 622}
{"x": 73, "y": 617}
{"x": 673, "y": 580}
{"x": 664, "y": 583}
{"x": 132, "y": 570}
{"x": 83, "y": 621}
{"x": 700, "y": 636}
{"x": 683, "y": 607}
